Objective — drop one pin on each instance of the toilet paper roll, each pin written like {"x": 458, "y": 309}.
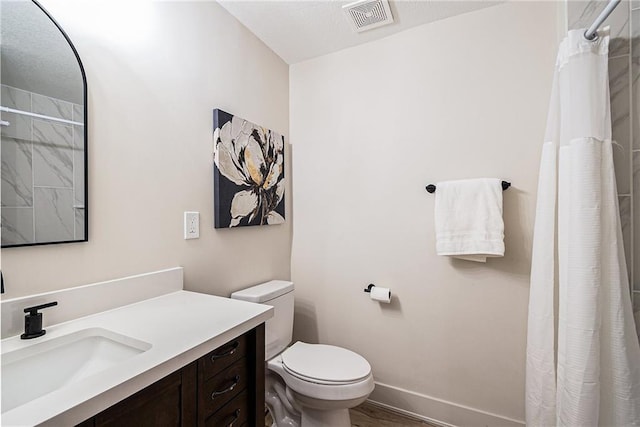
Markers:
{"x": 381, "y": 294}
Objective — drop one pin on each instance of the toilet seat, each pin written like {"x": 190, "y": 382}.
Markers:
{"x": 353, "y": 381}
{"x": 325, "y": 364}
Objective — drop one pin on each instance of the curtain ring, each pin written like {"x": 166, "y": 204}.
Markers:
{"x": 593, "y": 38}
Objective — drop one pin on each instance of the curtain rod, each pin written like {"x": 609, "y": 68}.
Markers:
{"x": 37, "y": 116}
{"x": 590, "y": 34}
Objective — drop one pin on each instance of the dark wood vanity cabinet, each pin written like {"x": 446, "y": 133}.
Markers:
{"x": 223, "y": 388}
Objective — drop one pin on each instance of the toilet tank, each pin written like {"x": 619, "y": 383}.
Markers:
{"x": 278, "y": 329}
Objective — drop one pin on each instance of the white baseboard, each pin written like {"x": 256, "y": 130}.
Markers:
{"x": 436, "y": 411}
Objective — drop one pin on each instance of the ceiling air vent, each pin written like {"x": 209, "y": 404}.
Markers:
{"x": 368, "y": 14}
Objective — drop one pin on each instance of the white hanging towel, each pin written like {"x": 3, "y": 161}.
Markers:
{"x": 468, "y": 217}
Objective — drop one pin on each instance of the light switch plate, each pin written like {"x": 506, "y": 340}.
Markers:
{"x": 191, "y": 225}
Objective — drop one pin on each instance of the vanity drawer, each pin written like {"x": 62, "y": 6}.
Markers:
{"x": 214, "y": 362}
{"x": 217, "y": 391}
{"x": 233, "y": 414}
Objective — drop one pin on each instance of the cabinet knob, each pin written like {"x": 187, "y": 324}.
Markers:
{"x": 232, "y": 349}
{"x": 236, "y": 415}
{"x": 216, "y": 393}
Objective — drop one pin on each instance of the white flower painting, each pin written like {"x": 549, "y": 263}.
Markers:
{"x": 248, "y": 173}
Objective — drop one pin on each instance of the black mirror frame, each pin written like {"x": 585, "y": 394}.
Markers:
{"x": 86, "y": 140}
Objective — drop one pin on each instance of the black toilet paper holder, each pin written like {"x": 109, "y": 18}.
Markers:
{"x": 368, "y": 289}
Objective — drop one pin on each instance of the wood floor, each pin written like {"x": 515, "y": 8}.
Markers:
{"x": 368, "y": 415}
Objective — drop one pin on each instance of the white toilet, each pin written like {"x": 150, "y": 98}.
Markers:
{"x": 307, "y": 385}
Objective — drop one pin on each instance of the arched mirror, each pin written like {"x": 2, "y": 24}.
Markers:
{"x": 43, "y": 128}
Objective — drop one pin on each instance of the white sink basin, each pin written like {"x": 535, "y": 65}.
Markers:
{"x": 33, "y": 371}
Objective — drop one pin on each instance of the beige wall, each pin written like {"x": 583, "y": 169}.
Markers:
{"x": 370, "y": 127}
{"x": 155, "y": 71}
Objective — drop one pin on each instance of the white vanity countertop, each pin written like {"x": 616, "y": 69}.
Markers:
{"x": 180, "y": 326}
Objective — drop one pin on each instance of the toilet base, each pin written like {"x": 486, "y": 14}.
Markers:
{"x": 281, "y": 409}
{"x": 302, "y": 411}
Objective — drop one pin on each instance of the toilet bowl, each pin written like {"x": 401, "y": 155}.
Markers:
{"x": 307, "y": 385}
{"x": 323, "y": 381}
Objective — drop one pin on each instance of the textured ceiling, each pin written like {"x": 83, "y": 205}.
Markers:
{"x": 303, "y": 29}
{"x": 34, "y": 54}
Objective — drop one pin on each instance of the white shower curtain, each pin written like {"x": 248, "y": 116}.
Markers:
{"x": 592, "y": 378}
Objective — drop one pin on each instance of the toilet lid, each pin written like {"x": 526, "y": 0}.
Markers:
{"x": 325, "y": 363}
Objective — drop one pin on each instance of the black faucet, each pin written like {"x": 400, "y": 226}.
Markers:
{"x": 33, "y": 321}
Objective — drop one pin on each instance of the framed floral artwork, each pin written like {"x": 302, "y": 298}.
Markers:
{"x": 248, "y": 173}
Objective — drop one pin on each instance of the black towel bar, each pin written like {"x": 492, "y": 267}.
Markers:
{"x": 432, "y": 188}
